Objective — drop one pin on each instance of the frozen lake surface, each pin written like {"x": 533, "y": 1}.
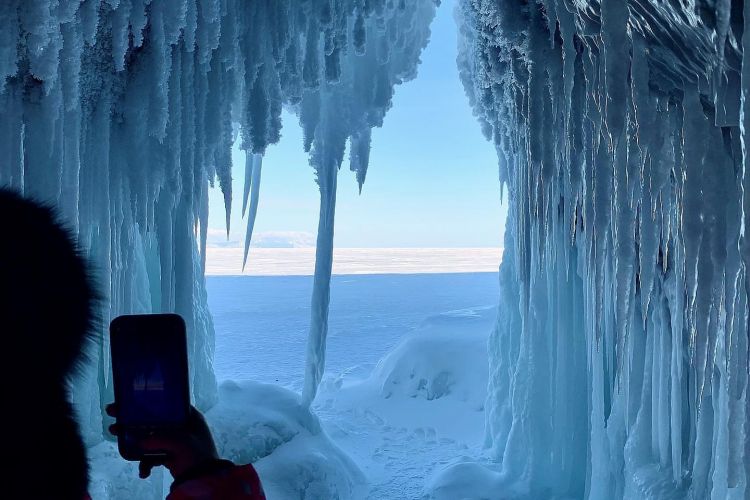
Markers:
{"x": 261, "y": 322}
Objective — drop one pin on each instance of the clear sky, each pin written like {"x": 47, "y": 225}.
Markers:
{"x": 432, "y": 179}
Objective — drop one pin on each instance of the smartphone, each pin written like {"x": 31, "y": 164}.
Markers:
{"x": 150, "y": 376}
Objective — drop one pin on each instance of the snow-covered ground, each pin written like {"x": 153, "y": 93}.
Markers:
{"x": 420, "y": 410}
{"x": 406, "y": 374}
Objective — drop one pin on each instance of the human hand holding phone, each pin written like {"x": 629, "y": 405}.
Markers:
{"x": 180, "y": 450}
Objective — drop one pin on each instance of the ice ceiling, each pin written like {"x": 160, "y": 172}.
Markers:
{"x": 619, "y": 365}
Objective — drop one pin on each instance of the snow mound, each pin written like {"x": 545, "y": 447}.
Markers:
{"x": 420, "y": 408}
{"x": 471, "y": 480}
{"x": 442, "y": 359}
{"x": 465, "y": 481}
{"x": 268, "y": 426}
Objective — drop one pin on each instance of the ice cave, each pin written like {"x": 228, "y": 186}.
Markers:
{"x": 618, "y": 361}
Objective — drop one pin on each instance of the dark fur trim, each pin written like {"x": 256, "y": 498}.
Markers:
{"x": 48, "y": 320}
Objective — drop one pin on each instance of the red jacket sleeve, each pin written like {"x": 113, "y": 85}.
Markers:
{"x": 239, "y": 482}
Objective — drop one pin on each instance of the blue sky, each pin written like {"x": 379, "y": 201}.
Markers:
{"x": 432, "y": 180}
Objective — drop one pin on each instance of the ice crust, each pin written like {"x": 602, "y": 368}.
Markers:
{"x": 619, "y": 365}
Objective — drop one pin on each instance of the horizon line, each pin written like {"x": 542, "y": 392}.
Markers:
{"x": 356, "y": 261}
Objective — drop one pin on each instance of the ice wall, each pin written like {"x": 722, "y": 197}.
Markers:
{"x": 123, "y": 112}
{"x": 620, "y": 361}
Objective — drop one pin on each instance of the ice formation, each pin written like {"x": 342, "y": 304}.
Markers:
{"x": 123, "y": 112}
{"x": 619, "y": 365}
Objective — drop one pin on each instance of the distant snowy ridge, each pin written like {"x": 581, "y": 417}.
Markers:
{"x": 619, "y": 366}
{"x": 124, "y": 112}
{"x": 217, "y": 238}
{"x": 301, "y": 261}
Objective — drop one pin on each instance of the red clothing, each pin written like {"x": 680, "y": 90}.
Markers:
{"x": 239, "y": 482}
{"x": 231, "y": 482}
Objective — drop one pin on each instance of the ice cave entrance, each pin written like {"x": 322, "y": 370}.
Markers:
{"x": 414, "y": 287}
{"x": 619, "y": 358}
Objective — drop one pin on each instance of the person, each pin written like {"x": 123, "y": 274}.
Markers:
{"x": 194, "y": 463}
{"x": 48, "y": 304}
{"x": 47, "y": 319}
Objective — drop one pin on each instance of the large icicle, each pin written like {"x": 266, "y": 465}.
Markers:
{"x": 327, "y": 166}
{"x": 351, "y": 101}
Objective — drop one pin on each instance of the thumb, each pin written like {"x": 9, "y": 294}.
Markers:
{"x": 145, "y": 466}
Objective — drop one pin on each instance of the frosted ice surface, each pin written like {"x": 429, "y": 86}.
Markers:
{"x": 619, "y": 366}
{"x": 122, "y": 112}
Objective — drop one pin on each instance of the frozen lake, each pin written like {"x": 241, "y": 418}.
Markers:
{"x": 261, "y": 322}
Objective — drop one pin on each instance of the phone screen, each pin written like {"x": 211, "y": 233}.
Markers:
{"x": 149, "y": 365}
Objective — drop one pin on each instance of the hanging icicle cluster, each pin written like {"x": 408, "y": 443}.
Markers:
{"x": 620, "y": 360}
{"x": 123, "y": 112}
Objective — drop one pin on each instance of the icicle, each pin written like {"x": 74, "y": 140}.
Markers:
{"x": 316, "y": 343}
{"x": 249, "y": 166}
{"x": 203, "y": 218}
{"x": 359, "y": 152}
{"x": 256, "y": 163}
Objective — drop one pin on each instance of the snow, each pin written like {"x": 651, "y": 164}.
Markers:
{"x": 419, "y": 410}
{"x": 386, "y": 417}
{"x": 411, "y": 340}
{"x": 432, "y": 363}
{"x": 467, "y": 480}
{"x": 270, "y": 427}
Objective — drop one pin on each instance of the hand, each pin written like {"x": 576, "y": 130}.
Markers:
{"x": 185, "y": 447}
